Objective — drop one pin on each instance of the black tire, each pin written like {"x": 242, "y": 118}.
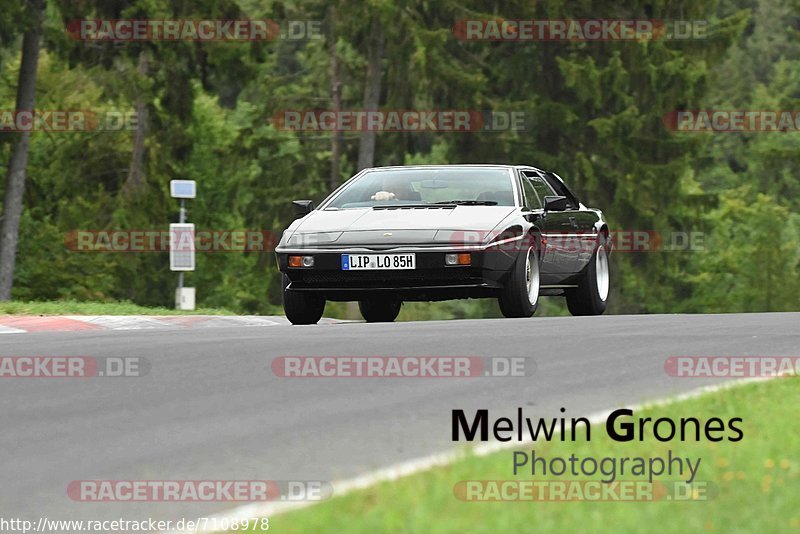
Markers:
{"x": 380, "y": 311}
{"x": 301, "y": 307}
{"x": 514, "y": 298}
{"x": 588, "y": 297}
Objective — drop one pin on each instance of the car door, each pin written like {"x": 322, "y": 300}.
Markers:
{"x": 582, "y": 221}
{"x": 555, "y": 226}
{"x": 532, "y": 210}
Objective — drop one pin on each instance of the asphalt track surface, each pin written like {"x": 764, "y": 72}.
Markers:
{"x": 211, "y": 408}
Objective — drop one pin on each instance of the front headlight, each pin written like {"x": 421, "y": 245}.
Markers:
{"x": 310, "y": 240}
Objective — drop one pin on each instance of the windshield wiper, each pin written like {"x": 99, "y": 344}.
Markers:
{"x": 391, "y": 206}
{"x": 468, "y": 202}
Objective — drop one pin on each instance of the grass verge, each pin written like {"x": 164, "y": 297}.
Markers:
{"x": 757, "y": 479}
{"x": 73, "y": 307}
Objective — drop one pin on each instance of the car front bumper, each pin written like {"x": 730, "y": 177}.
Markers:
{"x": 432, "y": 279}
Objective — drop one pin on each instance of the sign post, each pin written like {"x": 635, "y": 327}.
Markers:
{"x": 181, "y": 244}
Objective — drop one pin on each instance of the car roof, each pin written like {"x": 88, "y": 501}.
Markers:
{"x": 456, "y": 165}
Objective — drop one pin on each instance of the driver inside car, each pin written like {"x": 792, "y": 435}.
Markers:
{"x": 397, "y": 189}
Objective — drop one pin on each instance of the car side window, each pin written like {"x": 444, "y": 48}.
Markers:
{"x": 532, "y": 199}
{"x": 561, "y": 189}
{"x": 540, "y": 186}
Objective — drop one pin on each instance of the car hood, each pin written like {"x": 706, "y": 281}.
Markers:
{"x": 405, "y": 225}
{"x": 458, "y": 218}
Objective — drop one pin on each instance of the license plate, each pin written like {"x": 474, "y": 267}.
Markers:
{"x": 378, "y": 262}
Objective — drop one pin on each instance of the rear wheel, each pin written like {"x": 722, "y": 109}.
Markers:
{"x": 591, "y": 295}
{"x": 301, "y": 307}
{"x": 520, "y": 295}
{"x": 379, "y": 311}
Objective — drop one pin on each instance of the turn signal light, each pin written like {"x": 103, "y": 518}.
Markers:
{"x": 458, "y": 259}
{"x": 301, "y": 261}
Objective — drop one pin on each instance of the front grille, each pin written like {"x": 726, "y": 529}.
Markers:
{"x": 413, "y": 278}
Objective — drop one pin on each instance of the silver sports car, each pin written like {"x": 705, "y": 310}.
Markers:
{"x": 424, "y": 233}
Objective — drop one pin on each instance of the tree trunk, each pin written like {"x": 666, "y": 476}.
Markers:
{"x": 372, "y": 92}
{"x": 134, "y": 184}
{"x": 15, "y": 180}
{"x": 372, "y": 95}
{"x": 336, "y": 97}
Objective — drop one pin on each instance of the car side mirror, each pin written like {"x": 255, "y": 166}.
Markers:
{"x": 303, "y": 207}
{"x": 555, "y": 203}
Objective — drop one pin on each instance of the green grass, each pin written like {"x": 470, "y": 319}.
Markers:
{"x": 758, "y": 479}
{"x": 72, "y": 307}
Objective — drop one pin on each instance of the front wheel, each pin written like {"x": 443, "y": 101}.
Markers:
{"x": 379, "y": 311}
{"x": 591, "y": 295}
{"x": 301, "y": 307}
{"x": 520, "y": 295}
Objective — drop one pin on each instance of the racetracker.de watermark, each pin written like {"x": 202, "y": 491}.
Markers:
{"x": 581, "y": 491}
{"x": 41, "y": 120}
{"x": 227, "y": 30}
{"x": 198, "y": 490}
{"x": 581, "y": 241}
{"x": 731, "y": 366}
{"x": 401, "y": 366}
{"x": 165, "y": 240}
{"x": 738, "y": 120}
{"x": 579, "y": 29}
{"x": 73, "y": 367}
{"x": 399, "y": 120}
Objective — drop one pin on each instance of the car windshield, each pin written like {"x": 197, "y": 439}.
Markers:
{"x": 394, "y": 187}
